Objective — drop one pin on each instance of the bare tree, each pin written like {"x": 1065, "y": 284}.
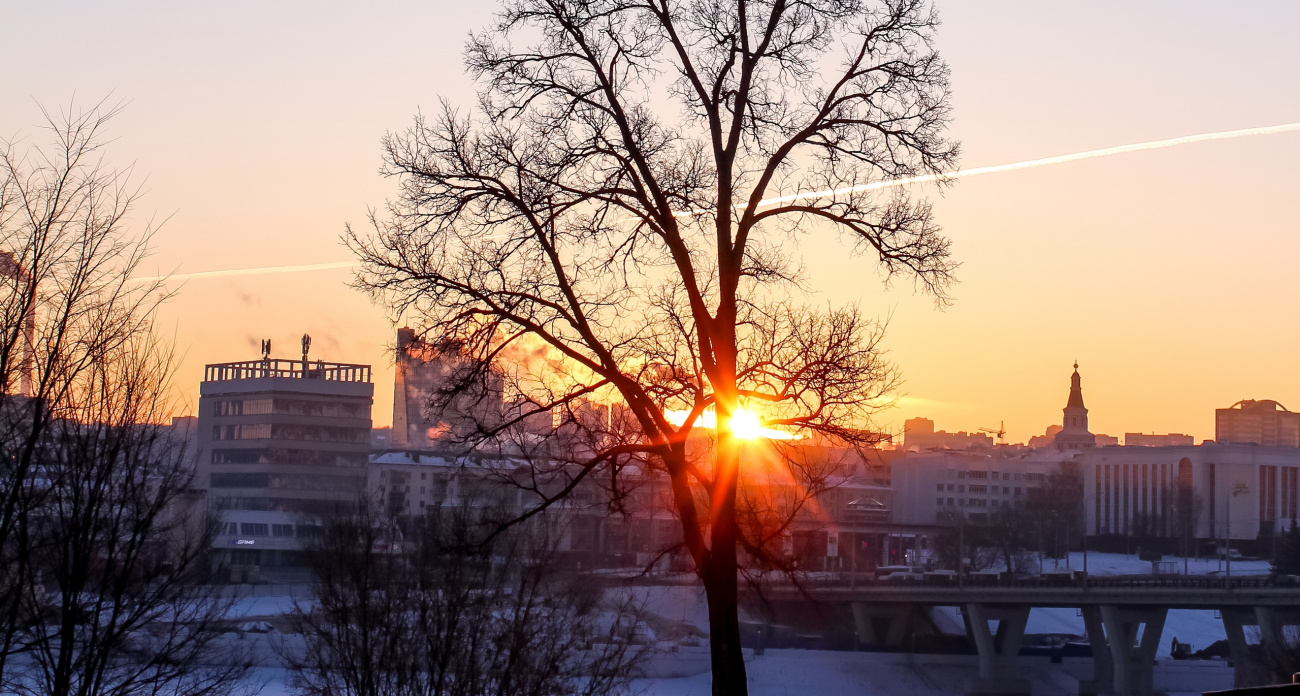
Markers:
{"x": 1012, "y": 534}
{"x": 1183, "y": 515}
{"x": 103, "y": 548}
{"x": 65, "y": 255}
{"x": 121, "y": 540}
{"x": 627, "y": 202}
{"x": 1055, "y": 510}
{"x": 1273, "y": 659}
{"x": 424, "y": 607}
{"x": 1287, "y": 559}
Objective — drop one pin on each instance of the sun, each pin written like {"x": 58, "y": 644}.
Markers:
{"x": 746, "y": 425}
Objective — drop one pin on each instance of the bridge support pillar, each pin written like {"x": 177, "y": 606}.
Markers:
{"x": 1249, "y": 666}
{"x": 884, "y": 625}
{"x": 997, "y": 649}
{"x": 1235, "y": 621}
{"x": 1103, "y": 673}
{"x": 1273, "y": 622}
{"x": 1132, "y": 661}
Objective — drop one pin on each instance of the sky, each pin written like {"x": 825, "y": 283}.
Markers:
{"x": 1168, "y": 274}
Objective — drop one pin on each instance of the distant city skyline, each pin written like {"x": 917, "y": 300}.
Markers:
{"x": 258, "y": 130}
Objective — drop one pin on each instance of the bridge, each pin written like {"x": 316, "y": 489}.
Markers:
{"x": 1124, "y": 618}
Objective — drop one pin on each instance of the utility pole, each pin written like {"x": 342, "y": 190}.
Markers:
{"x": 1227, "y": 539}
{"x": 1237, "y": 489}
{"x": 961, "y": 550}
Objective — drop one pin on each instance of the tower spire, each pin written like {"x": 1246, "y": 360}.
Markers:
{"x": 1076, "y": 392}
{"x": 1074, "y": 432}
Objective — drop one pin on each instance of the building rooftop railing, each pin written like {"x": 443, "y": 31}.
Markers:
{"x": 286, "y": 369}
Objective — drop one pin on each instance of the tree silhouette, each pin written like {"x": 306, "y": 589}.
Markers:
{"x": 614, "y": 235}
{"x": 104, "y": 573}
{"x": 1287, "y": 561}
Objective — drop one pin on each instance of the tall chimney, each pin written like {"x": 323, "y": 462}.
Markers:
{"x": 9, "y": 267}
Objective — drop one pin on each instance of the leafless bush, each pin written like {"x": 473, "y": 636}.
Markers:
{"x": 423, "y": 606}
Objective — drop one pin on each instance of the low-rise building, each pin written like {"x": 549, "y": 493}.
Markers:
{"x": 280, "y": 442}
{"x": 1154, "y": 440}
{"x": 919, "y": 435}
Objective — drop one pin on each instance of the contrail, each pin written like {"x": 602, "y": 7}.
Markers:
{"x": 1030, "y": 164}
{"x": 250, "y": 271}
{"x": 826, "y": 193}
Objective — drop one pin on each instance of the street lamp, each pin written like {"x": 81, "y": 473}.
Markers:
{"x": 1237, "y": 489}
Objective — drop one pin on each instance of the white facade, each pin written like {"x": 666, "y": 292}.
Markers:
{"x": 1243, "y": 490}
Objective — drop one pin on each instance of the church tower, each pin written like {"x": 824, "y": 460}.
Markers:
{"x": 1074, "y": 427}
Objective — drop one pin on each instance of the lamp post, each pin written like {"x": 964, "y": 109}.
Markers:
{"x": 1237, "y": 489}
{"x": 1096, "y": 523}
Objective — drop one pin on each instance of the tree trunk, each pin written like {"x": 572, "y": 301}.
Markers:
{"x": 720, "y": 590}
{"x": 720, "y": 586}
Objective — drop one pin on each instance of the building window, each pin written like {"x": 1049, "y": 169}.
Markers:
{"x": 247, "y": 431}
{"x": 253, "y": 529}
{"x": 240, "y": 480}
{"x": 939, "y": 487}
{"x": 282, "y": 530}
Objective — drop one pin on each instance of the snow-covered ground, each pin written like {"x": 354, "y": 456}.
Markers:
{"x": 825, "y": 673}
{"x": 679, "y": 608}
{"x": 1129, "y": 564}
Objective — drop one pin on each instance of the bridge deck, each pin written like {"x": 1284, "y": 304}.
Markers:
{"x": 1173, "y": 593}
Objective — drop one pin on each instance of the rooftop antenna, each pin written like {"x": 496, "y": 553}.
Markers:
{"x": 306, "y": 346}
{"x": 266, "y": 349}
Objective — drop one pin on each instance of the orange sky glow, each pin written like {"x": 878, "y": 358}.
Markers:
{"x": 1167, "y": 273}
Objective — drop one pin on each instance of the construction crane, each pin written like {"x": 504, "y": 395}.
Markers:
{"x": 1001, "y": 432}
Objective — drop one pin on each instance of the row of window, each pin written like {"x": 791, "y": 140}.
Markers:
{"x": 291, "y": 505}
{"x": 972, "y": 502}
{"x": 300, "y": 482}
{"x": 289, "y": 431}
{"x": 292, "y": 407}
{"x": 242, "y": 407}
{"x": 946, "y": 516}
{"x": 279, "y": 455}
{"x": 248, "y": 431}
{"x": 994, "y": 475}
{"x": 980, "y": 488}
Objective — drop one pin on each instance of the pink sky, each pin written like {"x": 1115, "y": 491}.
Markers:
{"x": 1168, "y": 274}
